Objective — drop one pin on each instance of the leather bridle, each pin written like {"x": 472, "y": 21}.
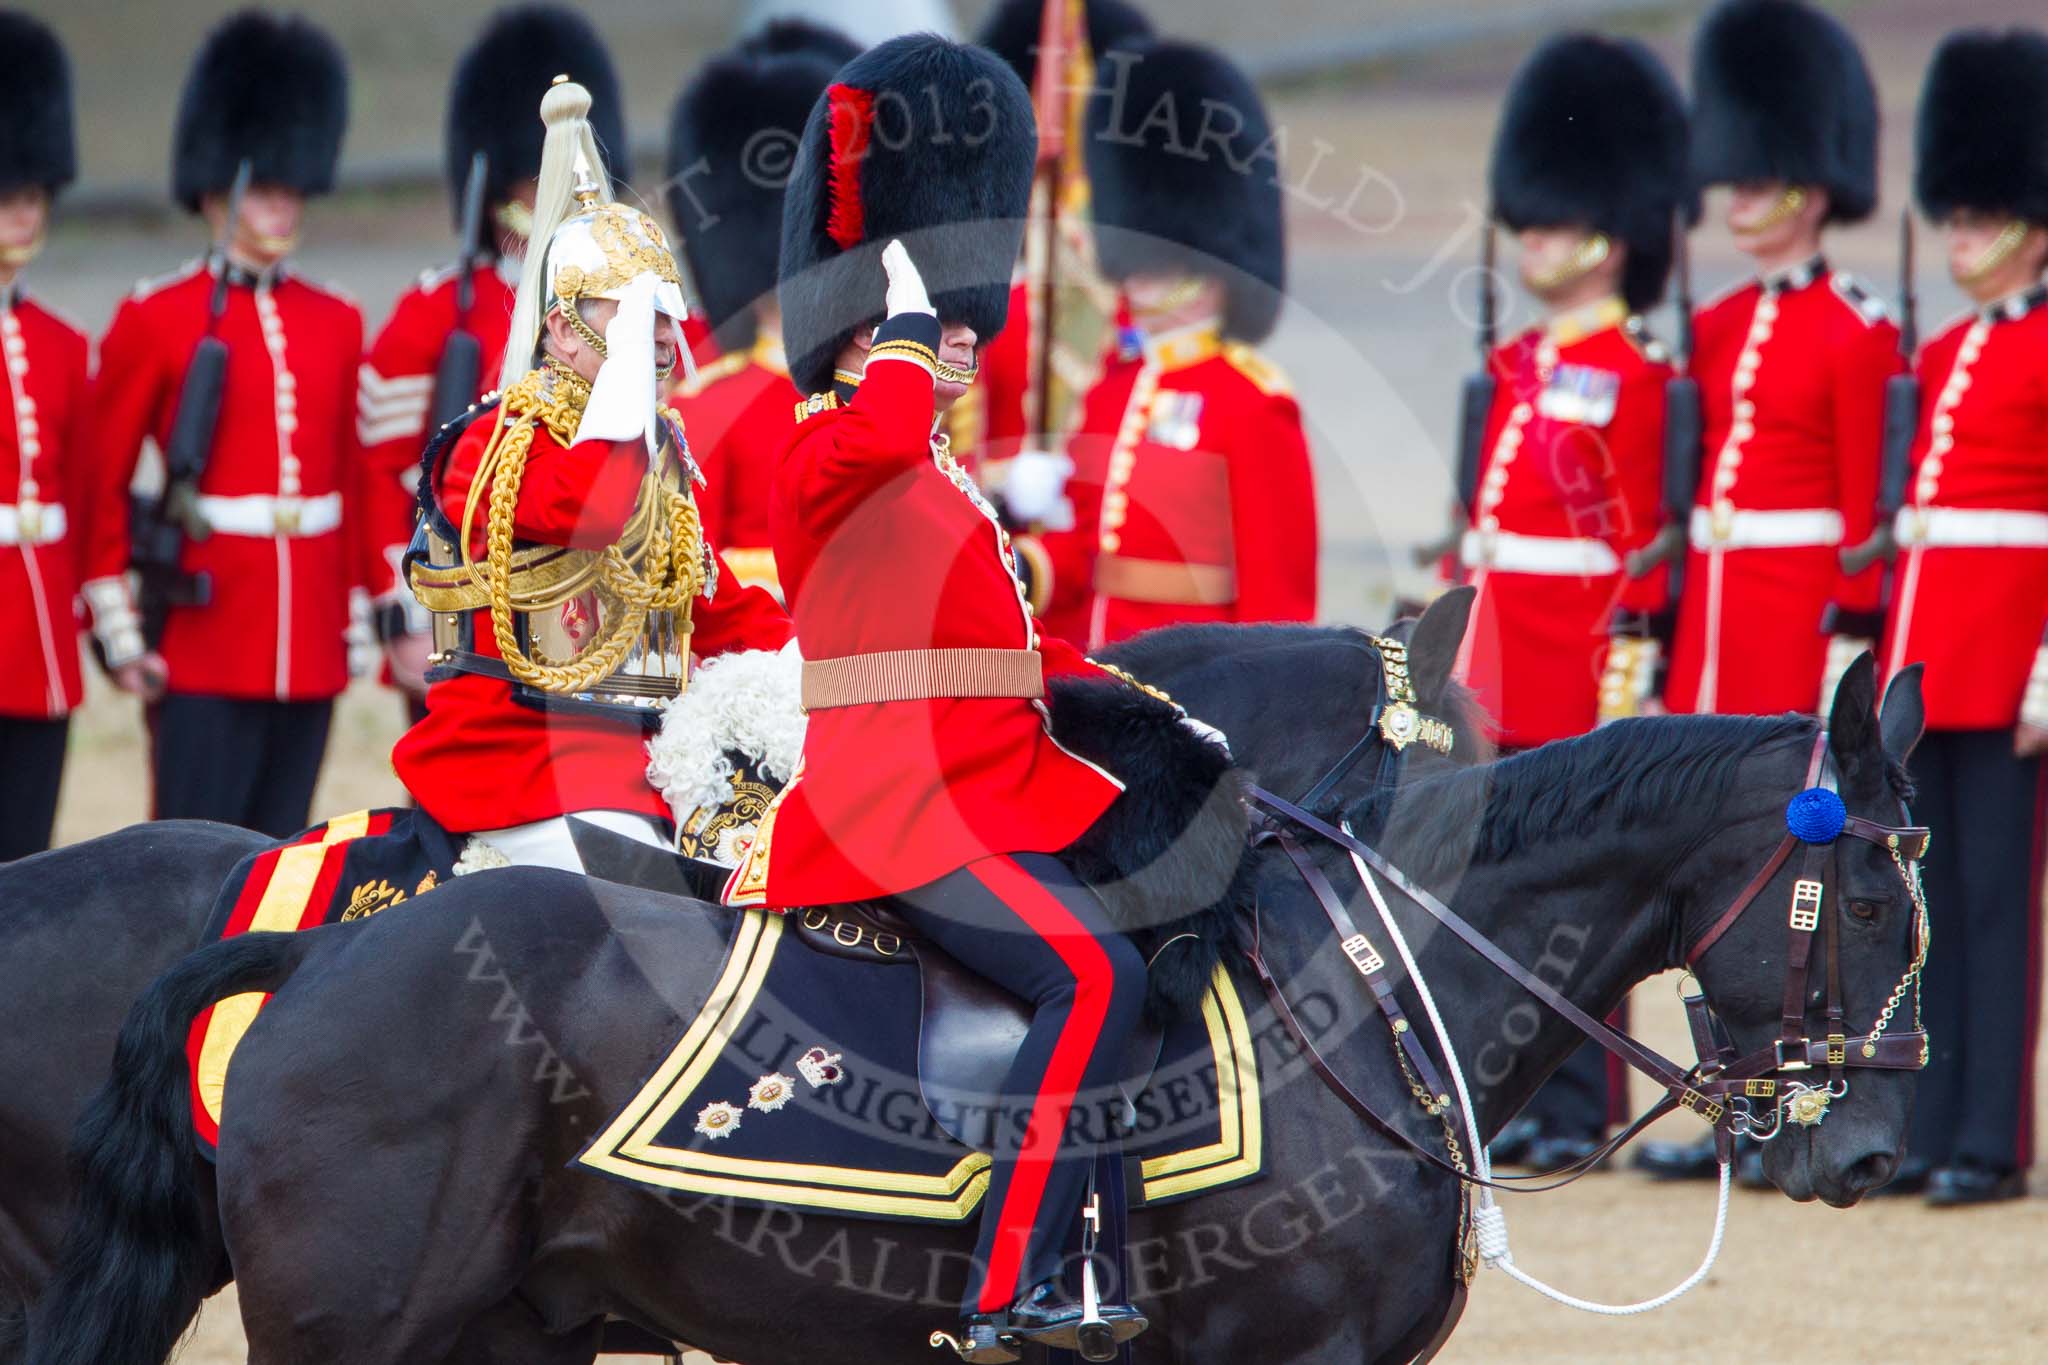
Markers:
{"x": 1722, "y": 1087}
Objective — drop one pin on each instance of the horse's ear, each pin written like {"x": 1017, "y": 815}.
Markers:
{"x": 1903, "y": 715}
{"x": 1852, "y": 723}
{"x": 1434, "y": 643}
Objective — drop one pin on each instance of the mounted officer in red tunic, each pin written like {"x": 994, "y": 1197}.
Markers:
{"x": 728, "y": 219}
{"x": 251, "y": 672}
{"x": 1791, "y": 366}
{"x": 931, "y": 775}
{"x": 498, "y": 83}
{"x": 1970, "y": 601}
{"x": 562, "y": 554}
{"x": 61, "y": 516}
{"x": 1193, "y": 496}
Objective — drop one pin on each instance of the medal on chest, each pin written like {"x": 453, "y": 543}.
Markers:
{"x": 1581, "y": 395}
{"x": 1175, "y": 420}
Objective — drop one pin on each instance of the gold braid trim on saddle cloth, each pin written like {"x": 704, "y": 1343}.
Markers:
{"x": 657, "y": 564}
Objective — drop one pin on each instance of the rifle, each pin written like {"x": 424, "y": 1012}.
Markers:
{"x": 1475, "y": 400}
{"x": 462, "y": 355}
{"x": 1901, "y": 419}
{"x": 1048, "y": 89}
{"x": 161, "y": 526}
{"x": 1683, "y": 427}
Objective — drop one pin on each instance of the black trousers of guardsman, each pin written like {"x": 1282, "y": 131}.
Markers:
{"x": 1980, "y": 993}
{"x": 247, "y": 763}
{"x": 1025, "y": 922}
{"x": 31, "y": 768}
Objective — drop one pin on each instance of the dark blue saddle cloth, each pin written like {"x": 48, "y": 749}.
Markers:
{"x": 798, "y": 1083}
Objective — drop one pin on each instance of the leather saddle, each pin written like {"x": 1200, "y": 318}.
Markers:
{"x": 969, "y": 1028}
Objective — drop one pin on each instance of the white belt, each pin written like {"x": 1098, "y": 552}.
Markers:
{"x": 1745, "y": 528}
{"x": 262, "y": 515}
{"x": 44, "y": 524}
{"x": 1983, "y": 527}
{"x": 1561, "y": 556}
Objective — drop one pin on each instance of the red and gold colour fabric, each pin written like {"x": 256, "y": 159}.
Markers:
{"x": 737, "y": 415}
{"x": 1970, "y": 596}
{"x": 1792, "y": 373}
{"x": 1571, "y": 483}
{"x": 396, "y": 394}
{"x": 480, "y": 760}
{"x": 61, "y": 513}
{"x": 885, "y": 544}
{"x": 1194, "y": 498}
{"x": 282, "y": 485}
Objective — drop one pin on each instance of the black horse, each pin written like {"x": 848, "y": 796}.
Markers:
{"x": 394, "y": 1173}
{"x": 84, "y": 929}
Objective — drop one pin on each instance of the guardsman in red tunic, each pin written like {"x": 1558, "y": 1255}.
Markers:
{"x": 60, "y": 521}
{"x": 1589, "y": 172}
{"x": 1791, "y": 367}
{"x": 929, "y": 773}
{"x": 250, "y": 676}
{"x": 497, "y": 85}
{"x": 542, "y": 696}
{"x": 1193, "y": 495}
{"x": 1970, "y": 600}
{"x": 1014, "y": 32}
{"x": 738, "y": 409}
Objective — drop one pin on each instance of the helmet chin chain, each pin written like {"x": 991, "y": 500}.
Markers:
{"x": 1997, "y": 254}
{"x": 1788, "y": 206}
{"x": 1585, "y": 258}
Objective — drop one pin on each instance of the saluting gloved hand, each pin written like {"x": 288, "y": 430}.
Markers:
{"x": 622, "y": 397}
{"x": 1035, "y": 490}
{"x": 906, "y": 287}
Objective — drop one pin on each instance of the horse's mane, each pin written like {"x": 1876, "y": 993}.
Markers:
{"x": 1623, "y": 774}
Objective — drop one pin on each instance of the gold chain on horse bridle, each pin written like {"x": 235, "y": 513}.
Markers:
{"x": 1439, "y": 1108}
{"x": 673, "y": 563}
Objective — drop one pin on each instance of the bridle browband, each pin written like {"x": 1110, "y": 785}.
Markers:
{"x": 1722, "y": 1087}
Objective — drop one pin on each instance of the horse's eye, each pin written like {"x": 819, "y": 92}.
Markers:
{"x": 1863, "y": 910}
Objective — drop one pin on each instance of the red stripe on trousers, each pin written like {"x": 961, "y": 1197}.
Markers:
{"x": 1044, "y": 914}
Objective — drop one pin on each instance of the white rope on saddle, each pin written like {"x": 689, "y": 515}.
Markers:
{"x": 1489, "y": 1220}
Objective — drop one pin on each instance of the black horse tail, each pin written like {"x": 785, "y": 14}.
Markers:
{"x": 130, "y": 1275}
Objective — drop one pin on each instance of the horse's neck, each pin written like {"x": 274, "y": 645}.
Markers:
{"x": 1585, "y": 917}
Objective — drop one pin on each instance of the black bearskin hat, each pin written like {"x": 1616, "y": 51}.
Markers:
{"x": 1012, "y": 30}
{"x": 1983, "y": 134}
{"x": 499, "y": 82}
{"x": 1177, "y": 190}
{"x": 921, "y": 139}
{"x": 1780, "y": 92}
{"x": 264, "y": 86}
{"x": 36, "y": 146}
{"x": 1593, "y": 133}
{"x": 731, "y": 138}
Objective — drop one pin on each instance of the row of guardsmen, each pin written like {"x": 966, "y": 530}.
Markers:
{"x": 290, "y": 513}
{"x": 1729, "y": 521}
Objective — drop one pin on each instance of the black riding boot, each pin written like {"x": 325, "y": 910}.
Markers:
{"x": 1046, "y": 1317}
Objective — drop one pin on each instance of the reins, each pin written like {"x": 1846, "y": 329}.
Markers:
{"x": 1720, "y": 1088}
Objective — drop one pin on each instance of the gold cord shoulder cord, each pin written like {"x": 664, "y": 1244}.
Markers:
{"x": 664, "y": 522}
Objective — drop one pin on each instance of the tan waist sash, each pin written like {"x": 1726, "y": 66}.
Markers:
{"x": 920, "y": 675}
{"x": 1164, "y": 581}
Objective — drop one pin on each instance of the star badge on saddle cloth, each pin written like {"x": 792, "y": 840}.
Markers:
{"x": 718, "y": 1119}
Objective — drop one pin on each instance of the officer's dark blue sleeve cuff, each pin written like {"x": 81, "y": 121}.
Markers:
{"x": 909, "y": 337}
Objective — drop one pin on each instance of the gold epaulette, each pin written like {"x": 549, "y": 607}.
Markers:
{"x": 815, "y": 404}
{"x": 1263, "y": 373}
{"x": 708, "y": 374}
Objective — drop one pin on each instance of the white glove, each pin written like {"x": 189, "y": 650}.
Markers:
{"x": 1034, "y": 489}
{"x": 1207, "y": 733}
{"x": 1843, "y": 650}
{"x": 2034, "y": 701}
{"x": 622, "y": 397}
{"x": 906, "y": 287}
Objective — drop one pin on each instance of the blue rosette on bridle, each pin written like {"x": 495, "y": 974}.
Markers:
{"x": 1816, "y": 816}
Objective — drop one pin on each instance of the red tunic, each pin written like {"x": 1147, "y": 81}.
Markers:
{"x": 285, "y": 458}
{"x": 1792, "y": 376}
{"x": 883, "y": 547}
{"x": 1571, "y": 484}
{"x": 480, "y": 760}
{"x": 396, "y": 394}
{"x": 737, "y": 416}
{"x": 55, "y": 507}
{"x": 1970, "y": 594}
{"x": 1191, "y": 477}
